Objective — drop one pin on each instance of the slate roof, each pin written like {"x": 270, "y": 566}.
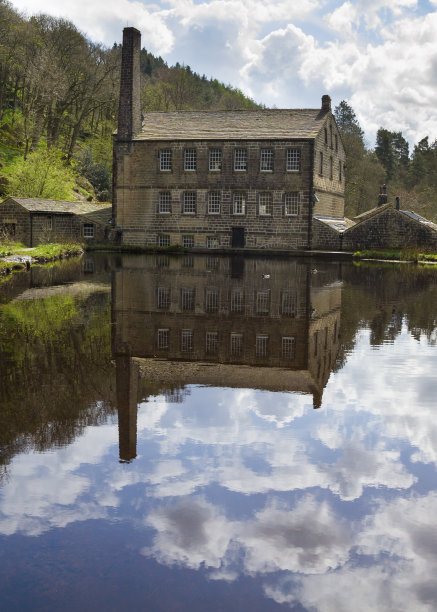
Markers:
{"x": 271, "y": 124}
{"x": 99, "y": 212}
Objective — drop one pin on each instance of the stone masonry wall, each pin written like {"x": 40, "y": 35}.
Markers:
{"x": 15, "y": 220}
{"x": 325, "y": 237}
{"x": 139, "y": 182}
{"x": 389, "y": 229}
{"x": 327, "y": 184}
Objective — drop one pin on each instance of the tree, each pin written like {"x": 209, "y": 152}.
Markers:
{"x": 392, "y": 151}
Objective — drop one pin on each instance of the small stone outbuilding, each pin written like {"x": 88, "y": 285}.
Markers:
{"x": 33, "y": 221}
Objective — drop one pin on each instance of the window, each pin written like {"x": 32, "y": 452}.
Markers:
{"x": 187, "y": 261}
{"x": 237, "y": 300}
{"x": 320, "y": 163}
{"x": 214, "y": 203}
{"x": 266, "y": 160}
{"x": 330, "y": 135}
{"x": 88, "y": 229}
{"x": 163, "y": 298}
{"x": 211, "y": 343}
{"x": 326, "y": 136}
{"x": 239, "y": 204}
{"x": 190, "y": 159}
{"x": 293, "y": 160}
{"x": 261, "y": 345}
{"x": 162, "y": 338}
{"x": 263, "y": 301}
{"x": 187, "y": 299}
{"x": 163, "y": 240}
{"x": 287, "y": 347}
{"x": 291, "y": 204}
{"x": 186, "y": 340}
{"x": 265, "y": 206}
{"x": 188, "y": 242}
{"x": 288, "y": 303}
{"x": 331, "y": 166}
{"x": 339, "y": 172}
{"x": 165, "y": 160}
{"x": 211, "y": 300}
{"x": 212, "y": 242}
{"x": 212, "y": 263}
{"x": 215, "y": 160}
{"x": 240, "y": 160}
{"x": 162, "y": 261}
{"x": 336, "y": 142}
{"x": 189, "y": 203}
{"x": 164, "y": 205}
{"x": 236, "y": 344}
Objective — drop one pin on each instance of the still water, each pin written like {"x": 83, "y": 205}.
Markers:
{"x": 206, "y": 433}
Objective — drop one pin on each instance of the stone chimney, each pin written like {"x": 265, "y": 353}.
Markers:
{"x": 326, "y": 103}
{"x": 129, "y": 109}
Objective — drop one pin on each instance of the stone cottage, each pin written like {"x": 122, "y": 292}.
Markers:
{"x": 222, "y": 179}
{"x": 33, "y": 221}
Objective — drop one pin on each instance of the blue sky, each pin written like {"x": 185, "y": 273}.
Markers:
{"x": 379, "y": 55}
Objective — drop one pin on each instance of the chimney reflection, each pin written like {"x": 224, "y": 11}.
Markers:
{"x": 255, "y": 323}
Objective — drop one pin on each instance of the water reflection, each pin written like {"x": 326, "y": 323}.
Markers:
{"x": 230, "y": 491}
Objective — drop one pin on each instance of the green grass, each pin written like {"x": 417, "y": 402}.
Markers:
{"x": 389, "y": 254}
{"x": 411, "y": 254}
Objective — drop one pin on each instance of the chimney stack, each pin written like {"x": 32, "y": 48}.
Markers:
{"x": 326, "y": 103}
{"x": 129, "y": 109}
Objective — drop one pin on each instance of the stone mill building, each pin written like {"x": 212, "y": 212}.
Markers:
{"x": 224, "y": 180}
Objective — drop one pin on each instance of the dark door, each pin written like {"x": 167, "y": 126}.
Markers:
{"x": 237, "y": 237}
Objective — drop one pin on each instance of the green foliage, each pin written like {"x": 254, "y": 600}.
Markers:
{"x": 96, "y": 173}
{"x": 42, "y": 175}
{"x": 392, "y": 151}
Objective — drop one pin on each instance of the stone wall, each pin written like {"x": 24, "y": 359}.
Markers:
{"x": 325, "y": 237}
{"x": 139, "y": 183}
{"x": 389, "y": 228}
{"x": 14, "y": 222}
{"x": 328, "y": 181}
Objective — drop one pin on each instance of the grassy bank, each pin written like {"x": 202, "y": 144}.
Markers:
{"x": 15, "y": 256}
{"x": 409, "y": 254}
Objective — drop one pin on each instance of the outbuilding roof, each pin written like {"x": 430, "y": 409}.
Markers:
{"x": 271, "y": 124}
{"x": 60, "y": 206}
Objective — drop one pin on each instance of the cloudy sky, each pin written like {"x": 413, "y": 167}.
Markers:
{"x": 380, "y": 55}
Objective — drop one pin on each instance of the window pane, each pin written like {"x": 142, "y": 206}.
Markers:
{"x": 187, "y": 299}
{"x": 265, "y": 204}
{"x": 186, "y": 340}
{"x": 239, "y": 204}
{"x": 236, "y": 344}
{"x": 293, "y": 160}
{"x": 240, "y": 159}
{"x": 287, "y": 348}
{"x": 266, "y": 160}
{"x": 190, "y": 159}
{"x": 288, "y": 303}
{"x": 189, "y": 204}
{"x": 211, "y": 300}
{"x": 165, "y": 160}
{"x": 237, "y": 300}
{"x": 88, "y": 230}
{"x": 214, "y": 203}
{"x": 292, "y": 203}
{"x": 163, "y": 298}
{"x": 261, "y": 345}
{"x": 164, "y": 206}
{"x": 211, "y": 342}
{"x": 212, "y": 242}
{"x": 263, "y": 301}
{"x": 162, "y": 338}
{"x": 188, "y": 242}
{"x": 163, "y": 240}
{"x": 215, "y": 160}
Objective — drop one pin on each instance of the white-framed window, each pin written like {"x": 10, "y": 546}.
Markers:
{"x": 165, "y": 160}
{"x": 190, "y": 160}
{"x": 215, "y": 160}
{"x": 320, "y": 163}
{"x": 239, "y": 204}
{"x": 189, "y": 203}
{"x": 88, "y": 230}
{"x": 211, "y": 300}
{"x": 265, "y": 205}
{"x": 288, "y": 303}
{"x": 287, "y": 347}
{"x": 266, "y": 160}
{"x": 162, "y": 338}
{"x": 212, "y": 242}
{"x": 261, "y": 343}
{"x": 163, "y": 240}
{"x": 240, "y": 160}
{"x": 188, "y": 242}
{"x": 211, "y": 342}
{"x": 214, "y": 203}
{"x": 236, "y": 344}
{"x": 163, "y": 298}
{"x": 187, "y": 299}
{"x": 293, "y": 160}
{"x": 263, "y": 301}
{"x": 291, "y": 204}
{"x": 164, "y": 203}
{"x": 186, "y": 340}
{"x": 237, "y": 300}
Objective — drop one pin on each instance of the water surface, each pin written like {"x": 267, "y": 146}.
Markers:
{"x": 207, "y": 433}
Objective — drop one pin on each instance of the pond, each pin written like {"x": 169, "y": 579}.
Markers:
{"x": 199, "y": 433}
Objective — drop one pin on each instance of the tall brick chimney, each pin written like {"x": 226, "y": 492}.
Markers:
{"x": 129, "y": 109}
{"x": 326, "y": 103}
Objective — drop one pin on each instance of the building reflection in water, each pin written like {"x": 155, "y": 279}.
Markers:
{"x": 223, "y": 322}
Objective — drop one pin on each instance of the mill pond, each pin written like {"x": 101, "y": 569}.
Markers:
{"x": 214, "y": 433}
